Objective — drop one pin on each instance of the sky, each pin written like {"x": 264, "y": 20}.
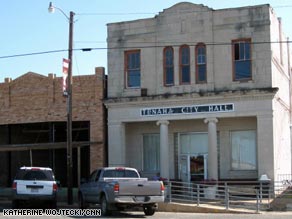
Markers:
{"x": 28, "y": 28}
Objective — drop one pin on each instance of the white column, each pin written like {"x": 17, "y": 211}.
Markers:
{"x": 116, "y": 145}
{"x": 164, "y": 149}
{"x": 212, "y": 148}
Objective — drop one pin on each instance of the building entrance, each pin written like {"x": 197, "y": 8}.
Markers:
{"x": 193, "y": 155}
{"x": 193, "y": 167}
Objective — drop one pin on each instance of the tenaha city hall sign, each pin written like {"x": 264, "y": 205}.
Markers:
{"x": 192, "y": 109}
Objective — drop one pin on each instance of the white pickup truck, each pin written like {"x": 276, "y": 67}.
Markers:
{"x": 120, "y": 188}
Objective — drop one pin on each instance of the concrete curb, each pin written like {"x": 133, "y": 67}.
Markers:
{"x": 193, "y": 208}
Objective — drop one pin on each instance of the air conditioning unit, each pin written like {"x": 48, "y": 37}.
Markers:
{"x": 143, "y": 92}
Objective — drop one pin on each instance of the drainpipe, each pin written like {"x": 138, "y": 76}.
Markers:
{"x": 290, "y": 95}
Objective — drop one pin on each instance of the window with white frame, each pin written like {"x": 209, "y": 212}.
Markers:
{"x": 151, "y": 152}
{"x": 244, "y": 156}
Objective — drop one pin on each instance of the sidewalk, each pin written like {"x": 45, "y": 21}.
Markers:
{"x": 5, "y": 201}
{"x": 203, "y": 208}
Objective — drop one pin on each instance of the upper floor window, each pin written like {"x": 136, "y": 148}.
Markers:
{"x": 133, "y": 68}
{"x": 201, "y": 65}
{"x": 184, "y": 64}
{"x": 168, "y": 67}
{"x": 241, "y": 51}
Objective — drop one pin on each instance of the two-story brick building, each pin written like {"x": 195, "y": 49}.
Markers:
{"x": 196, "y": 93}
{"x": 33, "y": 124}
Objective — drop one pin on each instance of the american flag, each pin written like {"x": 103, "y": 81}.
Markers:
{"x": 65, "y": 76}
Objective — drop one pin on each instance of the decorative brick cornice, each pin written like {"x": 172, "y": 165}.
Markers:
{"x": 257, "y": 93}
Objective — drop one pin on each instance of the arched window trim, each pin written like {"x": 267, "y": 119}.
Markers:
{"x": 198, "y": 46}
{"x": 165, "y": 66}
{"x": 184, "y": 65}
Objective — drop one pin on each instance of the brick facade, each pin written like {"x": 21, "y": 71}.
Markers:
{"x": 33, "y": 98}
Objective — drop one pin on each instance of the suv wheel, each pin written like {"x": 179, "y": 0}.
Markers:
{"x": 15, "y": 204}
{"x": 53, "y": 204}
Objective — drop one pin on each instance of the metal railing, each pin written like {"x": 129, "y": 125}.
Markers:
{"x": 248, "y": 195}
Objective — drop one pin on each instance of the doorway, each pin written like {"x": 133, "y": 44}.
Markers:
{"x": 193, "y": 156}
{"x": 193, "y": 167}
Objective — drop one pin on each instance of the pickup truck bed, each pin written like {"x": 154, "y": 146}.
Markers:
{"x": 121, "y": 192}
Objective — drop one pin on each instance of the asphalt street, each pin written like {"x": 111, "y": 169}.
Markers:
{"x": 5, "y": 206}
{"x": 170, "y": 215}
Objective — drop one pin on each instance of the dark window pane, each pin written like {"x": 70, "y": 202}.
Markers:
{"x": 201, "y": 73}
{"x": 185, "y": 64}
{"x": 185, "y": 56}
{"x": 133, "y": 60}
{"x": 247, "y": 50}
{"x": 133, "y": 69}
{"x": 168, "y": 66}
{"x": 242, "y": 70}
{"x": 169, "y": 76}
{"x": 236, "y": 51}
{"x": 186, "y": 74}
{"x": 241, "y": 51}
{"x": 201, "y": 59}
{"x": 134, "y": 78}
{"x": 242, "y": 61}
{"x": 169, "y": 57}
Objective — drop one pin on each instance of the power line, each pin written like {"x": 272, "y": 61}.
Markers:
{"x": 155, "y": 13}
{"x": 33, "y": 53}
{"x": 174, "y": 44}
{"x": 120, "y": 13}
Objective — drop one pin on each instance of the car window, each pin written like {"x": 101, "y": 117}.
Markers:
{"x": 92, "y": 176}
{"x": 34, "y": 175}
{"x": 120, "y": 173}
{"x": 131, "y": 174}
{"x": 97, "y": 175}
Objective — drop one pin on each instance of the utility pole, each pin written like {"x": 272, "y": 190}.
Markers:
{"x": 69, "y": 153}
{"x": 69, "y": 115}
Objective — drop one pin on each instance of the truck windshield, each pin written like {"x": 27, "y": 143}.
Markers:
{"x": 121, "y": 173}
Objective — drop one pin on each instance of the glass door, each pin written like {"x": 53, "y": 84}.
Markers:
{"x": 184, "y": 168}
{"x": 193, "y": 167}
{"x": 198, "y": 167}
{"x": 193, "y": 154}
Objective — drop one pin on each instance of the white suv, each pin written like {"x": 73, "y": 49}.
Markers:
{"x": 34, "y": 184}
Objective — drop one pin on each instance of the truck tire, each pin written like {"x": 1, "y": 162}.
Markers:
{"x": 149, "y": 210}
{"x": 104, "y": 207}
{"x": 81, "y": 202}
